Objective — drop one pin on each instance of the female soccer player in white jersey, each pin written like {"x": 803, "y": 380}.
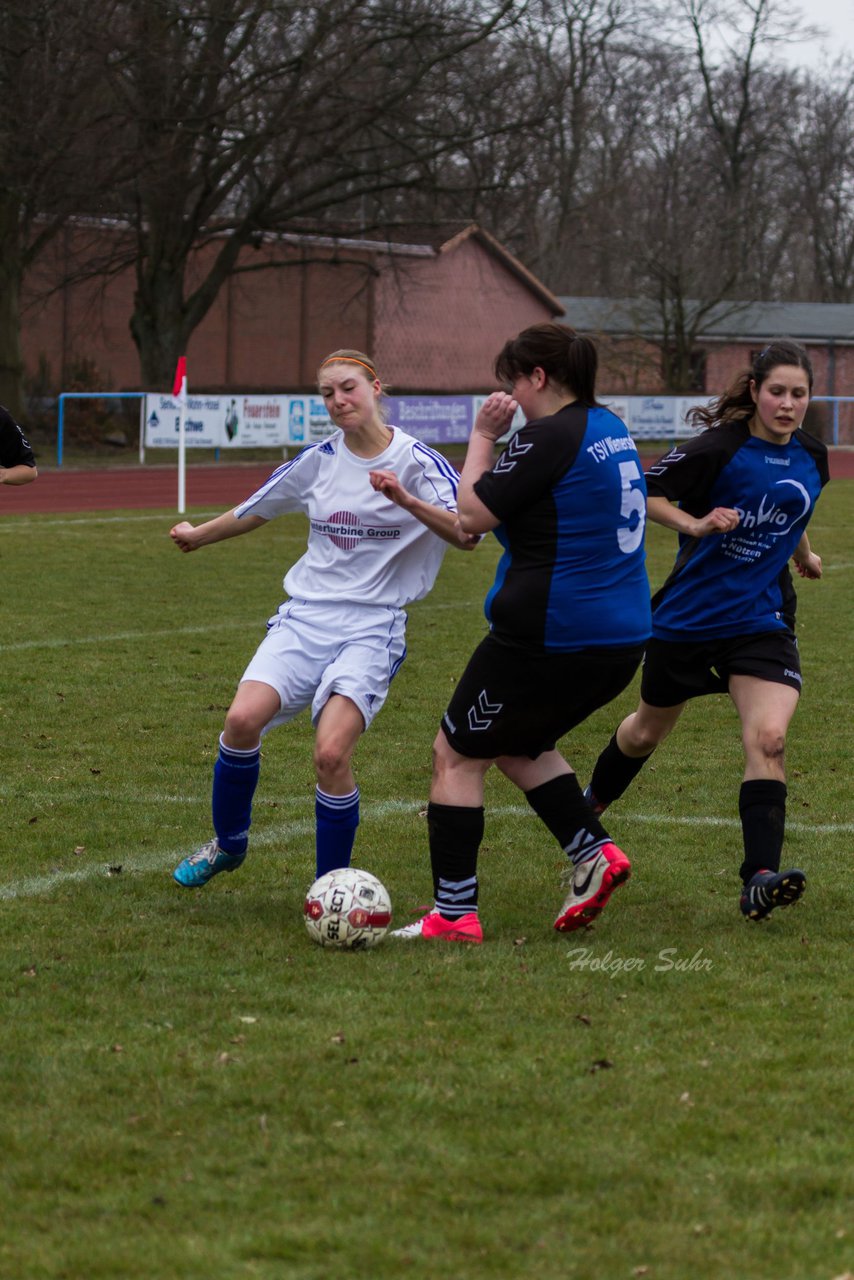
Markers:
{"x": 569, "y": 616}
{"x": 381, "y": 508}
{"x": 724, "y": 619}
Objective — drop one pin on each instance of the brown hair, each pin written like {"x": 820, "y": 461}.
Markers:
{"x": 736, "y": 404}
{"x": 564, "y": 356}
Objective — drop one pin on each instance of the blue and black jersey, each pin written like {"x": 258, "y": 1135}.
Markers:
{"x": 736, "y": 583}
{"x": 570, "y": 495}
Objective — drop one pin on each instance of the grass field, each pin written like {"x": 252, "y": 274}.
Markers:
{"x": 190, "y": 1088}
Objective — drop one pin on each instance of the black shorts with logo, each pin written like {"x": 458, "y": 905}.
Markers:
{"x": 514, "y": 702}
{"x": 675, "y": 670}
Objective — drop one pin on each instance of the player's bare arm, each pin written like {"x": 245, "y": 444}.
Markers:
{"x": 20, "y": 474}
{"x": 437, "y": 519}
{"x": 807, "y": 563}
{"x": 188, "y": 537}
{"x": 493, "y": 419}
{"x": 718, "y": 520}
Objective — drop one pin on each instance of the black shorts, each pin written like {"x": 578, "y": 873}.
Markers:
{"x": 511, "y": 702}
{"x": 674, "y": 671}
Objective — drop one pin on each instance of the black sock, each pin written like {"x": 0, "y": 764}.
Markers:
{"x": 455, "y": 833}
{"x": 762, "y": 809}
{"x": 613, "y": 773}
{"x": 560, "y": 804}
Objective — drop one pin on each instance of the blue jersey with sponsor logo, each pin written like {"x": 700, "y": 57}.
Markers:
{"x": 570, "y": 495}
{"x": 736, "y": 583}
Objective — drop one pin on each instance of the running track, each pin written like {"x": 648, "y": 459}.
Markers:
{"x": 216, "y": 485}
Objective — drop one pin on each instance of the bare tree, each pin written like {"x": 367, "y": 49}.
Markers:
{"x": 53, "y": 162}
{"x": 821, "y": 154}
{"x": 573, "y": 58}
{"x": 251, "y": 115}
{"x": 714, "y": 230}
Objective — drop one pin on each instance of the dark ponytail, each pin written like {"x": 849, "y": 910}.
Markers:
{"x": 569, "y": 360}
{"x": 737, "y": 403}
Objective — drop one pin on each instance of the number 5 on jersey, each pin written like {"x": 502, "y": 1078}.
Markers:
{"x": 632, "y": 503}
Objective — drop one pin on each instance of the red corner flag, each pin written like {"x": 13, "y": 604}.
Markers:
{"x": 180, "y": 376}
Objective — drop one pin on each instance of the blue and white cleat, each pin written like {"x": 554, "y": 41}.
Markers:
{"x": 200, "y": 867}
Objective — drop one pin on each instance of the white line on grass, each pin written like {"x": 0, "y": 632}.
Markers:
{"x": 157, "y": 860}
{"x": 121, "y": 637}
{"x": 118, "y": 637}
{"x": 387, "y": 808}
{"x": 21, "y": 523}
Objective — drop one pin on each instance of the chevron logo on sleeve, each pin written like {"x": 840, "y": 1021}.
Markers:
{"x": 511, "y": 455}
{"x": 481, "y": 716}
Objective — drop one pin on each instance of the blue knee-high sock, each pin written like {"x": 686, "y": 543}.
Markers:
{"x": 235, "y": 778}
{"x": 337, "y": 818}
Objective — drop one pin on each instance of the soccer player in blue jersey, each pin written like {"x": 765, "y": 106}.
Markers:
{"x": 381, "y": 508}
{"x": 569, "y": 616}
{"x": 724, "y": 619}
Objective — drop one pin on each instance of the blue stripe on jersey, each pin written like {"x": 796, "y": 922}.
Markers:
{"x": 271, "y": 481}
{"x": 430, "y": 455}
{"x": 500, "y": 534}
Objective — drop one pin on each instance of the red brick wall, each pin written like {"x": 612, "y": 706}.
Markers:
{"x": 440, "y": 322}
{"x": 432, "y": 323}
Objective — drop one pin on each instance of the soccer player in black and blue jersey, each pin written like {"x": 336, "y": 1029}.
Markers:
{"x": 569, "y": 615}
{"x": 724, "y": 619}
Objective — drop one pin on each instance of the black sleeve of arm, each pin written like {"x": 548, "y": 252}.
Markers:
{"x": 686, "y": 474}
{"x": 533, "y": 460}
{"x": 15, "y": 450}
{"x": 818, "y": 452}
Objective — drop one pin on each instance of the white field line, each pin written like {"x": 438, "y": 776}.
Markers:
{"x": 123, "y": 637}
{"x": 158, "y": 860}
{"x": 120, "y": 637}
{"x": 18, "y": 524}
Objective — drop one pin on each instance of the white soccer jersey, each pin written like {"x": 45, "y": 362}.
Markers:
{"x": 362, "y": 547}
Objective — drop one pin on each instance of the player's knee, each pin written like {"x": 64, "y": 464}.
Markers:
{"x": 443, "y": 755}
{"x": 643, "y": 736}
{"x": 242, "y": 728}
{"x": 769, "y": 742}
{"x": 331, "y": 756}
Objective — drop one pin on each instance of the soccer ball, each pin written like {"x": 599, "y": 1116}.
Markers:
{"x": 347, "y": 908}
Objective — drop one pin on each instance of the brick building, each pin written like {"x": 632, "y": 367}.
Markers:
{"x": 432, "y": 312}
{"x": 628, "y": 334}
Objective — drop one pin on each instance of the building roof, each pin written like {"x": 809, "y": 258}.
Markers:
{"x": 727, "y": 321}
{"x": 421, "y": 241}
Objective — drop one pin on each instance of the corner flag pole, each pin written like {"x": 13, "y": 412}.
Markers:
{"x": 179, "y": 392}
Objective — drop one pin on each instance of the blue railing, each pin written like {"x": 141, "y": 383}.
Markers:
{"x": 87, "y": 395}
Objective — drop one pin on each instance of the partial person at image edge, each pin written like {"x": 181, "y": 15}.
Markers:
{"x": 17, "y": 460}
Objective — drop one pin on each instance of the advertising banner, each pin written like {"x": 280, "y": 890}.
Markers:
{"x": 433, "y": 419}
{"x": 291, "y": 421}
{"x": 203, "y": 425}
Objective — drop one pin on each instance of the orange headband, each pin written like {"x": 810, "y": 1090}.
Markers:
{"x": 351, "y": 360}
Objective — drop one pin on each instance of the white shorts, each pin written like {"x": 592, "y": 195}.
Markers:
{"x": 314, "y": 650}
